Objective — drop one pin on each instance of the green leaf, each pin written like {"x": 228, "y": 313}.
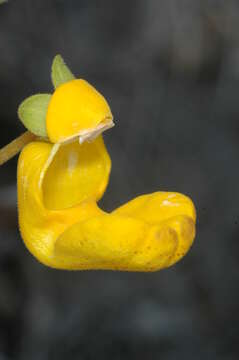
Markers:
{"x": 3, "y": 1}
{"x": 60, "y": 73}
{"x": 32, "y": 112}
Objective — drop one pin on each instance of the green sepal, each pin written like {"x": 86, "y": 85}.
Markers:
{"x": 60, "y": 73}
{"x": 32, "y": 113}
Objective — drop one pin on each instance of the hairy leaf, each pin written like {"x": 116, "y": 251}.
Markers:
{"x": 32, "y": 112}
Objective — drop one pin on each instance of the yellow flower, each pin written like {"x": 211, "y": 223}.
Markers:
{"x": 59, "y": 186}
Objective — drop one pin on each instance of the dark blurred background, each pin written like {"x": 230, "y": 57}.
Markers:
{"x": 170, "y": 71}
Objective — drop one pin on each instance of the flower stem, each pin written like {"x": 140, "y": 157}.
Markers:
{"x": 15, "y": 146}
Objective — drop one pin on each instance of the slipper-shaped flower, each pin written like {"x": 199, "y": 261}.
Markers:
{"x": 60, "y": 182}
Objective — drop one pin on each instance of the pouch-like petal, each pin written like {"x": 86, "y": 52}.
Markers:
{"x": 64, "y": 228}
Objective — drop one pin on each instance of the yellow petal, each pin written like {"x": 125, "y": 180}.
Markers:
{"x": 116, "y": 242}
{"x": 149, "y": 239}
{"x": 76, "y": 108}
{"x": 64, "y": 228}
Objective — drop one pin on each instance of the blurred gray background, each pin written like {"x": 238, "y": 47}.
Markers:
{"x": 170, "y": 71}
